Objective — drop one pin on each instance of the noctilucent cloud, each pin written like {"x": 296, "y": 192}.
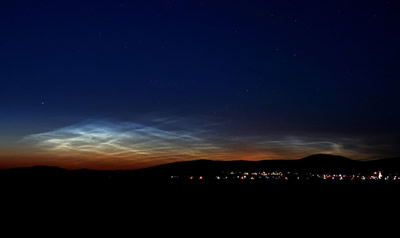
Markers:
{"x": 131, "y": 84}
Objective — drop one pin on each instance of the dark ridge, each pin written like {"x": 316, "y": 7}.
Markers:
{"x": 163, "y": 173}
{"x": 326, "y": 158}
{"x": 329, "y": 163}
{"x": 37, "y": 171}
{"x": 209, "y": 167}
{"x": 388, "y": 164}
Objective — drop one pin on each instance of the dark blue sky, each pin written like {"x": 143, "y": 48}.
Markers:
{"x": 311, "y": 70}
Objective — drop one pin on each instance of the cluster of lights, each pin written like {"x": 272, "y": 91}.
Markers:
{"x": 285, "y": 176}
{"x": 374, "y": 176}
{"x": 240, "y": 176}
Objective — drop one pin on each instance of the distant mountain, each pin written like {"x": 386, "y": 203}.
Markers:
{"x": 36, "y": 171}
{"x": 326, "y": 158}
{"x": 328, "y": 162}
{"x": 209, "y": 168}
{"x": 388, "y": 164}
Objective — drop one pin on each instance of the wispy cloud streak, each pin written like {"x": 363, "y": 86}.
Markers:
{"x": 167, "y": 140}
{"x": 123, "y": 140}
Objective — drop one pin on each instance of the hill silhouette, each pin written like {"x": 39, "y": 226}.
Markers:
{"x": 327, "y": 158}
{"x": 161, "y": 173}
{"x": 387, "y": 164}
{"x": 327, "y": 162}
{"x": 320, "y": 163}
{"x": 314, "y": 162}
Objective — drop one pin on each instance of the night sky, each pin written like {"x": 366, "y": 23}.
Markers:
{"x": 118, "y": 84}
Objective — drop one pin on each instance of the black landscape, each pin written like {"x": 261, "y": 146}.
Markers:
{"x": 315, "y": 169}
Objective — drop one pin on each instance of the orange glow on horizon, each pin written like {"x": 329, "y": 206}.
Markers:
{"x": 116, "y": 163}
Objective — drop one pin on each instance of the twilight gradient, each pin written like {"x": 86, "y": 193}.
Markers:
{"x": 113, "y": 144}
{"x": 199, "y": 79}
